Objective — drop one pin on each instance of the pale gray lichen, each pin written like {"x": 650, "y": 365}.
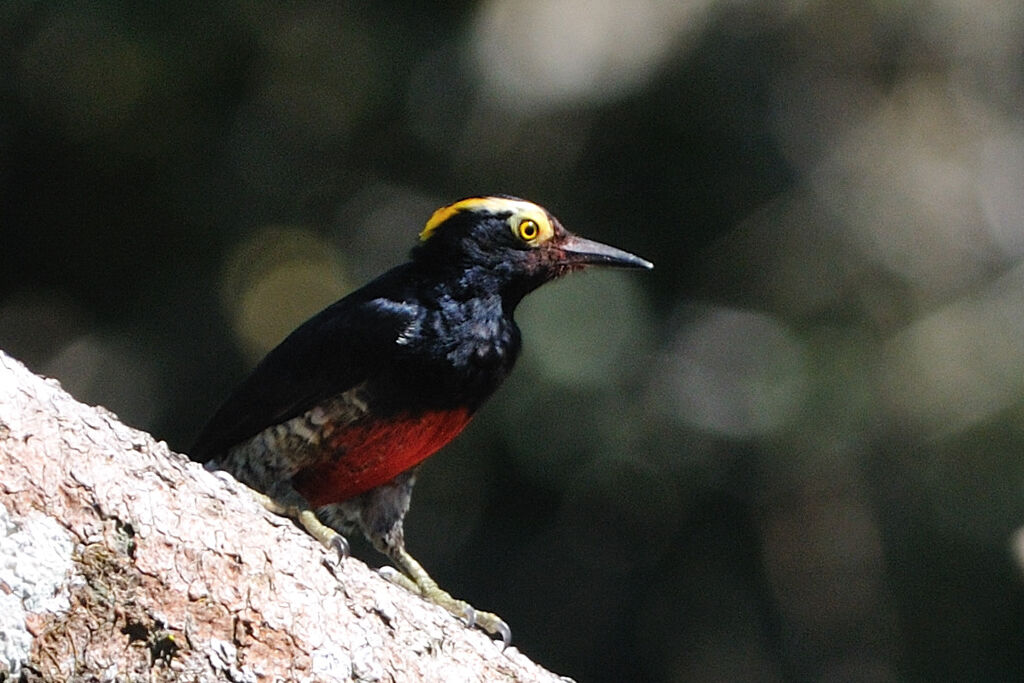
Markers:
{"x": 35, "y": 561}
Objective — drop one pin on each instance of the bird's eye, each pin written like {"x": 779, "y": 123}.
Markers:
{"x": 528, "y": 230}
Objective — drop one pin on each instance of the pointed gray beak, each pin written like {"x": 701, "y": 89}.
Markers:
{"x": 581, "y": 250}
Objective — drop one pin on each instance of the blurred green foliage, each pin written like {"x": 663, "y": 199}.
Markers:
{"x": 791, "y": 452}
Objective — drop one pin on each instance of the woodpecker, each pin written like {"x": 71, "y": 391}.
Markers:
{"x": 330, "y": 426}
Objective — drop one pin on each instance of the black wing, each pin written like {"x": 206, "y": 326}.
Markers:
{"x": 335, "y": 350}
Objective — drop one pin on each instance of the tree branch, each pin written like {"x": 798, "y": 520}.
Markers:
{"x": 121, "y": 560}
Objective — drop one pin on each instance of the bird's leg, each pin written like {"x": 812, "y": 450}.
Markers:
{"x": 288, "y": 502}
{"x": 380, "y": 513}
{"x": 416, "y": 579}
{"x": 272, "y": 487}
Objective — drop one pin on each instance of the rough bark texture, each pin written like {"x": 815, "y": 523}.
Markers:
{"x": 121, "y": 560}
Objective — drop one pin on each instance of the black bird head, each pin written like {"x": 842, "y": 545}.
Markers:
{"x": 509, "y": 244}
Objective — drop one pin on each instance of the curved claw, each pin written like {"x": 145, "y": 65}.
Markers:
{"x": 340, "y": 545}
{"x": 490, "y": 623}
{"x": 505, "y": 632}
{"x": 494, "y": 625}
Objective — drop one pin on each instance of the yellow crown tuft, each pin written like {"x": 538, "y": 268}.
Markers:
{"x": 482, "y": 204}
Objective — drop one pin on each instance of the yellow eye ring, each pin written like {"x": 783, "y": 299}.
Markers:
{"x": 528, "y": 230}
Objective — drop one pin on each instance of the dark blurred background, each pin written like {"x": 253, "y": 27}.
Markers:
{"x": 793, "y": 451}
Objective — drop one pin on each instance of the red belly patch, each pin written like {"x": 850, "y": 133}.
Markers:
{"x": 376, "y": 452}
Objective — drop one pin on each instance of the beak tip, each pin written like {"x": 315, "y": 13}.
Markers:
{"x": 635, "y": 262}
{"x": 596, "y": 253}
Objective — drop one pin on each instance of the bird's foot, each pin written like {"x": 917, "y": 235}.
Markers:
{"x": 330, "y": 538}
{"x": 420, "y": 583}
{"x": 488, "y": 621}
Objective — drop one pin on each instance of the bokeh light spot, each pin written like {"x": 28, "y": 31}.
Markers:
{"x": 960, "y": 364}
{"x": 275, "y": 281}
{"x": 580, "y": 330}
{"x": 901, "y": 183}
{"x": 534, "y": 54}
{"x": 87, "y": 71}
{"x": 737, "y": 373}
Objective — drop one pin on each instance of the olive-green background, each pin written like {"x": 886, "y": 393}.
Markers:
{"x": 793, "y": 451}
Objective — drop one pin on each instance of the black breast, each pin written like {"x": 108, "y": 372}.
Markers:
{"x": 454, "y": 355}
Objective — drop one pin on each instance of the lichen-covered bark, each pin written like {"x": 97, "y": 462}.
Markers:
{"x": 121, "y": 560}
